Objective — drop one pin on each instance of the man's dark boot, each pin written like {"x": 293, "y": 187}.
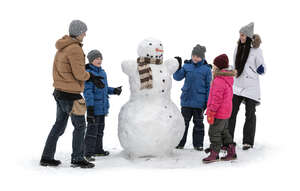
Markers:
{"x": 49, "y": 162}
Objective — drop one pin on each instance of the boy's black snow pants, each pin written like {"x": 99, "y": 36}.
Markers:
{"x": 198, "y": 131}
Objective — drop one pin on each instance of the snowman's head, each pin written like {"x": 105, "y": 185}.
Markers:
{"x": 151, "y": 48}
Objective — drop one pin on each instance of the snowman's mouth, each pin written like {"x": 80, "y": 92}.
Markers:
{"x": 158, "y": 50}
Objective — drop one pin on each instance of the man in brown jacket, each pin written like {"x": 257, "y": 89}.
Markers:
{"x": 69, "y": 76}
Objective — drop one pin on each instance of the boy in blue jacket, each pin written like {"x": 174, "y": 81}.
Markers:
{"x": 195, "y": 91}
{"x": 97, "y": 107}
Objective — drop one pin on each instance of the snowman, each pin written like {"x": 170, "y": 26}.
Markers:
{"x": 150, "y": 124}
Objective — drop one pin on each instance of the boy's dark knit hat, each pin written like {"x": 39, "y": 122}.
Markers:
{"x": 221, "y": 61}
{"x": 92, "y": 55}
{"x": 77, "y": 28}
{"x": 199, "y": 51}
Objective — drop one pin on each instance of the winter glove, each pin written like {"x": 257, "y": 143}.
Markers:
{"x": 90, "y": 114}
{"x": 118, "y": 90}
{"x": 210, "y": 117}
{"x": 97, "y": 81}
{"x": 179, "y": 61}
{"x": 260, "y": 70}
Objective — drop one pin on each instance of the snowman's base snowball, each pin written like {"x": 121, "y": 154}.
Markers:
{"x": 150, "y": 128}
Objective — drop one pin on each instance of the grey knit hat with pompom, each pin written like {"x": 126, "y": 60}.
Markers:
{"x": 199, "y": 51}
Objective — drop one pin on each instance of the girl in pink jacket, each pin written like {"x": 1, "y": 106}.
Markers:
{"x": 219, "y": 107}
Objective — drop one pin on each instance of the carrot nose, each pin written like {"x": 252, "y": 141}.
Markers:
{"x": 158, "y": 50}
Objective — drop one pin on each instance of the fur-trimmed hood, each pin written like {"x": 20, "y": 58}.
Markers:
{"x": 256, "y": 41}
{"x": 226, "y": 74}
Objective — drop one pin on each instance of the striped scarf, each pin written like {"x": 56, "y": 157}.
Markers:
{"x": 145, "y": 71}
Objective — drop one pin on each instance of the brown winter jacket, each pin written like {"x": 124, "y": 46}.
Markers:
{"x": 69, "y": 66}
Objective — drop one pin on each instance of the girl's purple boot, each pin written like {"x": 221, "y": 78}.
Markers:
{"x": 213, "y": 157}
{"x": 231, "y": 153}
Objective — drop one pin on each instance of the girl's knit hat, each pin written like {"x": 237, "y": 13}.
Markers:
{"x": 221, "y": 61}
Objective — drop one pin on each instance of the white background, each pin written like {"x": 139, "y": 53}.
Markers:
{"x": 29, "y": 30}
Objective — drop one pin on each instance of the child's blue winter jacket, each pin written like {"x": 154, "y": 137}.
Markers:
{"x": 196, "y": 86}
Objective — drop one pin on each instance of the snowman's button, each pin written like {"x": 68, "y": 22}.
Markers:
{"x": 164, "y": 80}
{"x": 170, "y": 116}
{"x": 162, "y": 91}
{"x": 161, "y": 71}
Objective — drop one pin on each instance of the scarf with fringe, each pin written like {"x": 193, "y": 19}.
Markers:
{"x": 145, "y": 71}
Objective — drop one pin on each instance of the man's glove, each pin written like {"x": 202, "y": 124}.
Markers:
{"x": 179, "y": 61}
{"x": 118, "y": 90}
{"x": 90, "y": 114}
{"x": 210, "y": 117}
{"x": 97, "y": 81}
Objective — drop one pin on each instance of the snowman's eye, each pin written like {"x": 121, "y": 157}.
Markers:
{"x": 160, "y": 44}
{"x": 150, "y": 44}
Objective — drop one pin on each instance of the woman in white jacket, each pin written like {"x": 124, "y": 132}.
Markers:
{"x": 249, "y": 63}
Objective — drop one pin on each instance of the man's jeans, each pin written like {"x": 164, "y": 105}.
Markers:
{"x": 64, "y": 108}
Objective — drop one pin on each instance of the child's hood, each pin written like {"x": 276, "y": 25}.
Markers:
{"x": 95, "y": 70}
{"x": 227, "y": 75}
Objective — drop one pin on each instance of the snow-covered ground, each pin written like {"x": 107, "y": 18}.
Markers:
{"x": 180, "y": 159}
{"x": 28, "y": 33}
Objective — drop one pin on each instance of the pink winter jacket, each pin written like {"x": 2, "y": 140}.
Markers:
{"x": 221, "y": 93}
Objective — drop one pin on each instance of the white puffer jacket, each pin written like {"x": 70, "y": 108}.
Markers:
{"x": 247, "y": 84}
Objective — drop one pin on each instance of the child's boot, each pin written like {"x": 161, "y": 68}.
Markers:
{"x": 90, "y": 158}
{"x": 207, "y": 150}
{"x": 231, "y": 153}
{"x": 247, "y": 147}
{"x": 82, "y": 164}
{"x": 224, "y": 148}
{"x": 198, "y": 148}
{"x": 213, "y": 157}
{"x": 102, "y": 153}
